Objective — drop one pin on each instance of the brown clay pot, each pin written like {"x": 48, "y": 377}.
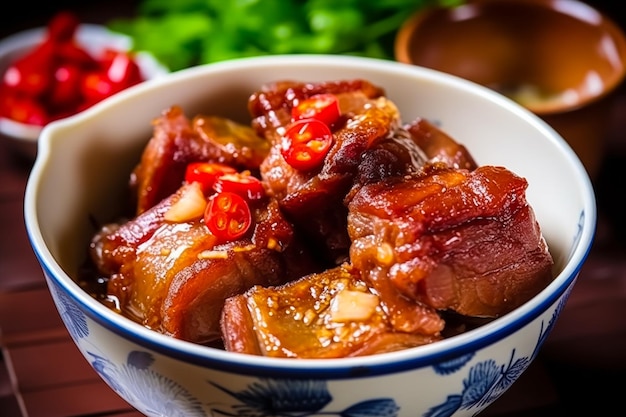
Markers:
{"x": 561, "y": 59}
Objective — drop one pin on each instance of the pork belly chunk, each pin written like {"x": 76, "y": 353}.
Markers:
{"x": 330, "y": 314}
{"x": 270, "y": 106}
{"x": 173, "y": 276}
{"x": 438, "y": 146}
{"x": 452, "y": 239}
{"x": 368, "y": 143}
{"x": 177, "y": 140}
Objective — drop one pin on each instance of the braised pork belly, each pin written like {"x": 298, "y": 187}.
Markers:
{"x": 331, "y": 314}
{"x": 356, "y": 233}
{"x": 178, "y": 141}
{"x": 466, "y": 241}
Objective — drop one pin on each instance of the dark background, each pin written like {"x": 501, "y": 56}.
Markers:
{"x": 24, "y": 14}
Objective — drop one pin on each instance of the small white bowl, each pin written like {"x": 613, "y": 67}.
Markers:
{"x": 93, "y": 38}
{"x": 82, "y": 172}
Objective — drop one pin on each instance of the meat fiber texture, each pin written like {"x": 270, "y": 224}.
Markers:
{"x": 396, "y": 232}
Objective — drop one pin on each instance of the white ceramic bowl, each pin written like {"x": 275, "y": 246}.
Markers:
{"x": 82, "y": 170}
{"x": 93, "y": 38}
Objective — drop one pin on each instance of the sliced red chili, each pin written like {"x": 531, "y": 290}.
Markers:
{"x": 65, "y": 91}
{"x": 121, "y": 68}
{"x": 322, "y": 107}
{"x": 206, "y": 173}
{"x": 60, "y": 77}
{"x": 70, "y": 52}
{"x": 25, "y": 110}
{"x": 62, "y": 26}
{"x": 96, "y": 87}
{"x": 29, "y": 75}
{"x": 242, "y": 183}
{"x": 227, "y": 216}
{"x": 306, "y": 143}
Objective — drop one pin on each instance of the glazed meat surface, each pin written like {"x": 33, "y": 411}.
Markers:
{"x": 177, "y": 141}
{"x": 441, "y": 240}
{"x": 395, "y": 238}
{"x": 327, "y": 315}
{"x": 369, "y": 144}
{"x": 438, "y": 146}
{"x": 174, "y": 276}
{"x": 270, "y": 106}
{"x": 452, "y": 239}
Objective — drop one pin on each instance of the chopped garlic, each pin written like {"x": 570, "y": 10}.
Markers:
{"x": 190, "y": 205}
{"x": 213, "y": 254}
{"x": 245, "y": 248}
{"x": 384, "y": 254}
{"x": 272, "y": 243}
{"x": 349, "y": 305}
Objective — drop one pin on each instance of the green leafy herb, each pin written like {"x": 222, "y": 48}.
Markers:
{"x": 185, "y": 33}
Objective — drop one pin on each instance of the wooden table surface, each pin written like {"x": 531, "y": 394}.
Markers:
{"x": 580, "y": 371}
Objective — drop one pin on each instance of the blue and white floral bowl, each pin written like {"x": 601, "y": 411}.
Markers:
{"x": 81, "y": 173}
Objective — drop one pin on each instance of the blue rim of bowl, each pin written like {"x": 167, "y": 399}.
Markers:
{"x": 367, "y": 366}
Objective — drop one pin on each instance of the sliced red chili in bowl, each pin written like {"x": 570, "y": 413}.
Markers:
{"x": 59, "y": 76}
{"x": 322, "y": 107}
{"x": 206, "y": 173}
{"x": 242, "y": 183}
{"x": 227, "y": 216}
{"x": 306, "y": 143}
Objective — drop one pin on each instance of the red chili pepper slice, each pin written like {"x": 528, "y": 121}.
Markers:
{"x": 73, "y": 53}
{"x": 242, "y": 183}
{"x": 323, "y": 107}
{"x": 32, "y": 73}
{"x": 59, "y": 77}
{"x": 95, "y": 87}
{"x": 121, "y": 68}
{"x": 23, "y": 110}
{"x": 206, "y": 173}
{"x": 65, "y": 91}
{"x": 62, "y": 27}
{"x": 306, "y": 143}
{"x": 227, "y": 216}
{"x": 117, "y": 71}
